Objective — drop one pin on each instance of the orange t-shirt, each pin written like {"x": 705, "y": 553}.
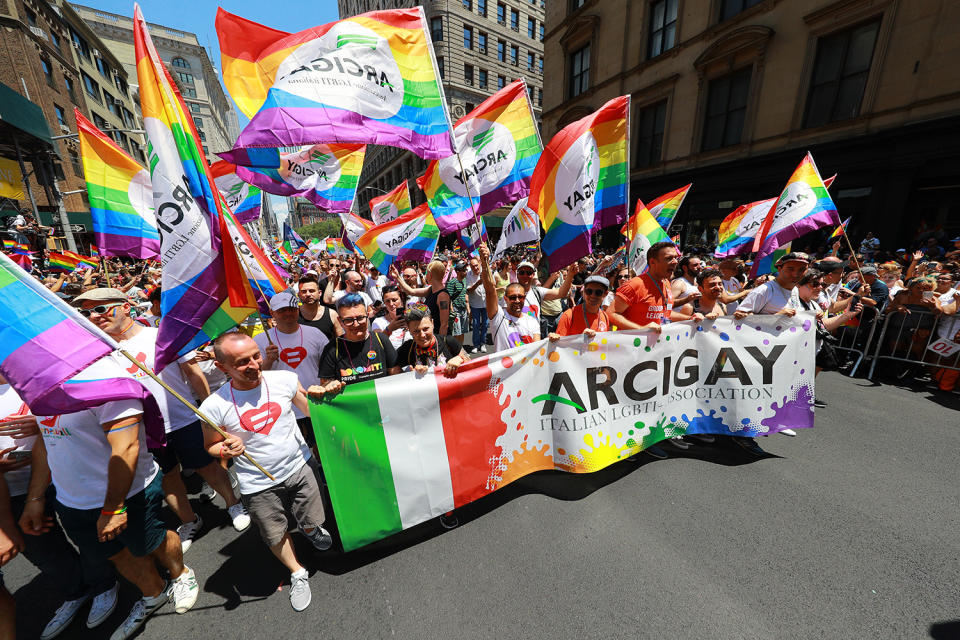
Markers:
{"x": 646, "y": 301}
{"x": 572, "y": 321}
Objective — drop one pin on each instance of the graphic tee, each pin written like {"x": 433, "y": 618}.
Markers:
{"x": 79, "y": 454}
{"x": 648, "y": 302}
{"x": 355, "y": 361}
{"x": 263, "y": 420}
{"x": 11, "y": 405}
{"x": 299, "y": 352}
{"x": 510, "y": 331}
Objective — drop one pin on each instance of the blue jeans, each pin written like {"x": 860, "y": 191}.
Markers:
{"x": 480, "y": 322}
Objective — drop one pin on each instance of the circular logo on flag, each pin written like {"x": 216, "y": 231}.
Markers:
{"x": 392, "y": 239}
{"x": 371, "y": 355}
{"x": 260, "y": 419}
{"x": 488, "y": 154}
{"x": 314, "y": 167}
{"x": 797, "y": 201}
{"x": 350, "y": 67}
{"x": 384, "y": 212}
{"x": 576, "y": 182}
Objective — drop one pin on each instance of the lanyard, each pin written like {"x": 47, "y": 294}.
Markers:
{"x": 276, "y": 334}
{"x": 659, "y": 288}
{"x": 234, "y": 401}
{"x": 347, "y": 346}
{"x": 601, "y": 320}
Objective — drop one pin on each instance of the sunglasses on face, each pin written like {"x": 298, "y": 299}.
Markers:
{"x": 593, "y": 292}
{"x": 356, "y": 320}
{"x": 100, "y": 309}
{"x": 515, "y": 297}
{"x": 524, "y": 272}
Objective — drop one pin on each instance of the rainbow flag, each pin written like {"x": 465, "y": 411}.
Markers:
{"x": 334, "y": 246}
{"x": 285, "y": 256}
{"x": 325, "y": 174}
{"x": 353, "y": 227}
{"x": 21, "y": 249}
{"x": 498, "y": 147}
{"x": 471, "y": 236}
{"x": 739, "y": 228}
{"x": 265, "y": 279}
{"x": 665, "y": 208}
{"x": 581, "y": 182}
{"x": 841, "y": 230}
{"x": 768, "y": 263}
{"x": 370, "y": 78}
{"x": 8, "y": 244}
{"x": 392, "y": 205}
{"x": 205, "y": 292}
{"x": 61, "y": 263}
{"x": 410, "y": 237}
{"x": 804, "y": 206}
{"x": 94, "y": 251}
{"x": 82, "y": 260}
{"x": 120, "y": 193}
{"x": 242, "y": 198}
{"x": 642, "y": 231}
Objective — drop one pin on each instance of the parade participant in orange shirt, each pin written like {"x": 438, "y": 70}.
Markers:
{"x": 587, "y": 317}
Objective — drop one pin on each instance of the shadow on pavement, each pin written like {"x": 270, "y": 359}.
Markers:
{"x": 945, "y": 630}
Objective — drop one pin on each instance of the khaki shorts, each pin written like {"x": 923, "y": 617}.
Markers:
{"x": 298, "y": 496}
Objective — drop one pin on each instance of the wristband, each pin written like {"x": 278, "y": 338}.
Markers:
{"x": 107, "y": 512}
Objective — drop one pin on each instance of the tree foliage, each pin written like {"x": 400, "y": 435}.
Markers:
{"x": 330, "y": 227}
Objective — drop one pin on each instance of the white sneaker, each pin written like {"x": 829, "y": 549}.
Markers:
{"x": 102, "y": 608}
{"x": 787, "y": 432}
{"x": 62, "y": 618}
{"x": 184, "y": 591}
{"x": 207, "y": 493}
{"x": 300, "y": 595}
{"x": 142, "y": 609}
{"x": 239, "y": 516}
{"x": 188, "y": 531}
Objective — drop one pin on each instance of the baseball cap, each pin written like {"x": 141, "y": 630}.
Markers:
{"x": 598, "y": 280}
{"x": 829, "y": 266}
{"x": 526, "y": 263}
{"x": 102, "y": 294}
{"x": 283, "y": 300}
{"x": 794, "y": 256}
{"x": 868, "y": 271}
{"x": 460, "y": 265}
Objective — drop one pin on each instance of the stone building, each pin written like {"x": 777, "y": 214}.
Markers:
{"x": 730, "y": 94}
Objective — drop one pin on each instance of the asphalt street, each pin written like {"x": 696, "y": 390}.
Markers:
{"x": 849, "y": 530}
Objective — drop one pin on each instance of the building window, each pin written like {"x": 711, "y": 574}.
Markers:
{"x": 194, "y": 107}
{"x": 55, "y": 39}
{"x": 726, "y": 110}
{"x": 186, "y": 78}
{"x": 541, "y": 32}
{"x": 482, "y": 7}
{"x": 540, "y": 64}
{"x": 180, "y": 62}
{"x": 469, "y": 107}
{"x": 75, "y": 162}
{"x": 468, "y": 5}
{"x": 501, "y": 13}
{"x": 198, "y": 121}
{"x": 539, "y": 97}
{"x": 203, "y": 136}
{"x": 468, "y": 73}
{"x": 71, "y": 88}
{"x": 468, "y": 37}
{"x": 103, "y": 67}
{"x": 579, "y": 71}
{"x": 440, "y": 66}
{"x": 531, "y": 61}
{"x": 501, "y": 82}
{"x": 121, "y": 85}
{"x": 31, "y": 17}
{"x": 61, "y": 116}
{"x": 80, "y": 44}
{"x": 650, "y": 127}
{"x": 102, "y": 124}
{"x": 436, "y": 29}
{"x": 48, "y": 72}
{"x": 531, "y": 28}
{"x": 730, "y": 8}
{"x": 663, "y": 27}
{"x": 482, "y": 42}
{"x": 482, "y": 78}
{"x": 501, "y": 51}
{"x": 91, "y": 87}
{"x": 128, "y": 120}
{"x": 514, "y": 19}
{"x": 576, "y": 4}
{"x": 840, "y": 74}
{"x": 188, "y": 92}
{"x": 514, "y": 54}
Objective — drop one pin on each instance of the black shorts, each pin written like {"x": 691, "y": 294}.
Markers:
{"x": 184, "y": 447}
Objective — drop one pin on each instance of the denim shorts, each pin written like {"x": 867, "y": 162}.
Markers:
{"x": 184, "y": 447}
{"x": 144, "y": 533}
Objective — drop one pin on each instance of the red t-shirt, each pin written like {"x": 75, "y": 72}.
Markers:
{"x": 646, "y": 302}
{"x": 571, "y": 322}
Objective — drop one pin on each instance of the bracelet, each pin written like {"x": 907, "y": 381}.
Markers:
{"x": 37, "y": 499}
{"x": 106, "y": 512}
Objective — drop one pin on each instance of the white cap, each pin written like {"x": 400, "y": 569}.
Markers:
{"x": 526, "y": 263}
{"x": 283, "y": 300}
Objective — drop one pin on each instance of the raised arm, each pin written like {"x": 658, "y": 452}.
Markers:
{"x": 489, "y": 289}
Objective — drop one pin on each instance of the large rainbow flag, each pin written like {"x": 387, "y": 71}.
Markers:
{"x": 581, "y": 182}
{"x": 353, "y": 227}
{"x": 410, "y": 237}
{"x": 243, "y": 198}
{"x": 498, "y": 146}
{"x": 325, "y": 174}
{"x": 665, "y": 208}
{"x": 370, "y": 78}
{"x": 121, "y": 196}
{"x": 739, "y": 228}
{"x": 642, "y": 231}
{"x": 204, "y": 290}
{"x": 265, "y": 279}
{"x": 391, "y": 205}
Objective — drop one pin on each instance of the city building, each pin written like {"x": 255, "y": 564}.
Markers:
{"x": 481, "y": 46}
{"x": 730, "y": 94}
{"x": 190, "y": 66}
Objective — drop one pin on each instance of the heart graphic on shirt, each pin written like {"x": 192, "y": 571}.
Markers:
{"x": 134, "y": 369}
{"x": 50, "y": 421}
{"x": 261, "y": 419}
{"x": 293, "y": 356}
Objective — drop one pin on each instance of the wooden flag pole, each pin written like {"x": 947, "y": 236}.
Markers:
{"x": 246, "y": 267}
{"x": 853, "y": 253}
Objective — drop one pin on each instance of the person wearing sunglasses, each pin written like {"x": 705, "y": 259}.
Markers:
{"x": 587, "y": 317}
{"x": 509, "y": 325}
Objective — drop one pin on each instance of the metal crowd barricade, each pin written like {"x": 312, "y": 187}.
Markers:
{"x": 920, "y": 338}
{"x": 856, "y": 341}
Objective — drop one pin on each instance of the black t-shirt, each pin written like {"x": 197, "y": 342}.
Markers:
{"x": 351, "y": 362}
{"x": 446, "y": 347}
{"x": 324, "y": 323}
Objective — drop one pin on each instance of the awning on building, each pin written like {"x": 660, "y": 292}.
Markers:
{"x": 24, "y": 119}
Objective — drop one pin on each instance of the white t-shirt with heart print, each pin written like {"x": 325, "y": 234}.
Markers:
{"x": 263, "y": 420}
{"x": 299, "y": 352}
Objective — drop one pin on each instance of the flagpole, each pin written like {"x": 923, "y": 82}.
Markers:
{"x": 853, "y": 253}
{"x": 246, "y": 267}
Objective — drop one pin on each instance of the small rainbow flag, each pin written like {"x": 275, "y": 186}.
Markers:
{"x": 325, "y": 174}
{"x": 285, "y": 256}
{"x": 8, "y": 244}
{"x": 353, "y": 227}
{"x": 581, "y": 182}
{"x": 242, "y": 198}
{"x": 665, "y": 208}
{"x": 642, "y": 231}
{"x": 471, "y": 236}
{"x": 498, "y": 147}
{"x": 841, "y": 230}
{"x": 334, "y": 246}
{"x": 410, "y": 237}
{"x": 392, "y": 205}
{"x": 60, "y": 263}
{"x": 94, "y": 251}
{"x": 370, "y": 78}
{"x": 86, "y": 261}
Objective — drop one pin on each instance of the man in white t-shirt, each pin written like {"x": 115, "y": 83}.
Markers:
{"x": 509, "y": 325}
{"x": 110, "y": 311}
{"x": 109, "y": 498}
{"x": 353, "y": 283}
{"x": 684, "y": 287}
{"x": 535, "y": 295}
{"x": 291, "y": 346}
{"x": 256, "y": 411}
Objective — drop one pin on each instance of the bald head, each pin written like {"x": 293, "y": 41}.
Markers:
{"x": 239, "y": 357}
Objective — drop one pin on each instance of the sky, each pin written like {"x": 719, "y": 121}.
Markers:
{"x": 197, "y": 16}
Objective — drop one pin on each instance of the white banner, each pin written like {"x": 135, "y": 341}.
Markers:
{"x": 521, "y": 225}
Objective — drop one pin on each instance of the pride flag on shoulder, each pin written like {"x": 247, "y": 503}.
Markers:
{"x": 665, "y": 208}
{"x": 410, "y": 237}
{"x": 581, "y": 182}
{"x": 498, "y": 145}
{"x": 121, "y": 196}
{"x": 370, "y": 78}
{"x": 392, "y": 205}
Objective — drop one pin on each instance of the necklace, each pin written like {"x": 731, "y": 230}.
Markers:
{"x": 276, "y": 334}
{"x": 234, "y": 401}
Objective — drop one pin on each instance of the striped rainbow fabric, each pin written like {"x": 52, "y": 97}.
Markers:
{"x": 410, "y": 237}
{"x": 121, "y": 196}
{"x": 642, "y": 231}
{"x": 665, "y": 208}
{"x": 242, "y": 198}
{"x": 391, "y": 205}
{"x": 498, "y": 145}
{"x": 370, "y": 78}
{"x": 581, "y": 182}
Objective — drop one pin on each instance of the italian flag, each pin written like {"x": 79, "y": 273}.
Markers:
{"x": 393, "y": 459}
